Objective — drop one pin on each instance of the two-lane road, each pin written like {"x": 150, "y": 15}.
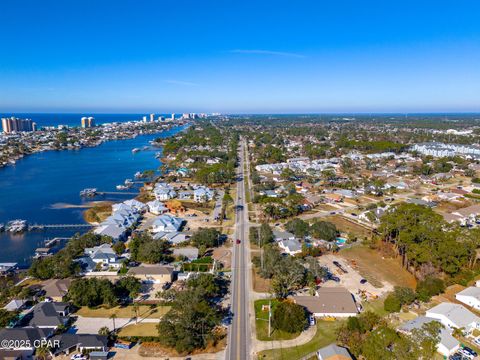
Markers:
{"x": 239, "y": 335}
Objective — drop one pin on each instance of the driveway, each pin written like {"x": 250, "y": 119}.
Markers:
{"x": 91, "y": 325}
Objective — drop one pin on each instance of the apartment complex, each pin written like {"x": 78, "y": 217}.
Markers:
{"x": 13, "y": 124}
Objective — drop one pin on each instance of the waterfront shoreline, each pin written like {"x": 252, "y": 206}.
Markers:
{"x": 62, "y": 175}
{"x": 34, "y": 141}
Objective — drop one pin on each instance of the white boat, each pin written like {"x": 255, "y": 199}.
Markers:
{"x": 16, "y": 226}
{"x": 138, "y": 175}
{"x": 135, "y": 150}
{"x": 88, "y": 192}
{"x": 122, "y": 187}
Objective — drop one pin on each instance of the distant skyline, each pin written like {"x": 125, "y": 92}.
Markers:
{"x": 239, "y": 56}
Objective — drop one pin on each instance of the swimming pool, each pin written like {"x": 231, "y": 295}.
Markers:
{"x": 340, "y": 241}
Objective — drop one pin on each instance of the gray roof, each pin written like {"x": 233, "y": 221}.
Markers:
{"x": 292, "y": 245}
{"x": 456, "y": 313}
{"x": 15, "y": 304}
{"x": 68, "y": 341}
{"x": 472, "y": 291}
{"x": 24, "y": 334}
{"x": 333, "y": 350}
{"x": 46, "y": 314}
{"x": 151, "y": 270}
{"x": 446, "y": 339}
{"x": 277, "y": 234}
{"x": 330, "y": 300}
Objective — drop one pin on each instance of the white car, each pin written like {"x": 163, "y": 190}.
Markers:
{"x": 78, "y": 357}
{"x": 311, "y": 320}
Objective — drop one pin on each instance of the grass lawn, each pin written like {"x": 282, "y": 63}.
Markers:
{"x": 141, "y": 329}
{"x": 375, "y": 306}
{"x": 373, "y": 267}
{"x": 126, "y": 312}
{"x": 260, "y": 284}
{"x": 261, "y": 323}
{"x": 325, "y": 335}
{"x": 348, "y": 226}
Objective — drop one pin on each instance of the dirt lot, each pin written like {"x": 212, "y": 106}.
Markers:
{"x": 375, "y": 268}
{"x": 351, "y": 280}
{"x": 348, "y": 226}
{"x": 223, "y": 254}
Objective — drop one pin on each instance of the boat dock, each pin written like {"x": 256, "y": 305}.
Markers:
{"x": 58, "y": 226}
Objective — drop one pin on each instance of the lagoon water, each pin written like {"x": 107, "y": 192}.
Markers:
{"x": 40, "y": 187}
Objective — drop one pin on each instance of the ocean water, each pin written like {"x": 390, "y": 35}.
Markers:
{"x": 41, "y": 188}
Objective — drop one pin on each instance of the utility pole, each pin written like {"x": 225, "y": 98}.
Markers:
{"x": 269, "y": 317}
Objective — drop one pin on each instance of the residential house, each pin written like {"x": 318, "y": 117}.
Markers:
{"x": 47, "y": 315}
{"x": 173, "y": 237}
{"x": 15, "y": 305}
{"x": 333, "y": 352}
{"x": 156, "y": 274}
{"x": 167, "y": 223}
{"x": 6, "y": 268}
{"x": 156, "y": 207}
{"x": 24, "y": 340}
{"x": 104, "y": 256}
{"x": 447, "y": 344}
{"x": 291, "y": 247}
{"x": 470, "y": 296}
{"x": 56, "y": 289}
{"x": 79, "y": 342}
{"x": 164, "y": 191}
{"x": 282, "y": 235}
{"x": 454, "y": 316}
{"x": 330, "y": 302}
{"x": 202, "y": 194}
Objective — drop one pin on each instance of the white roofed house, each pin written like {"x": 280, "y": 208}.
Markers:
{"x": 455, "y": 316}
{"x": 203, "y": 193}
{"x": 164, "y": 191}
{"x": 166, "y": 223}
{"x": 291, "y": 247}
{"x": 103, "y": 255}
{"x": 470, "y": 296}
{"x": 157, "y": 207}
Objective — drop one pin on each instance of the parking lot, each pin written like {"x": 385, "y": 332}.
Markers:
{"x": 351, "y": 279}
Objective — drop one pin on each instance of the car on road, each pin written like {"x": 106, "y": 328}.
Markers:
{"x": 332, "y": 212}
{"x": 363, "y": 281}
{"x": 238, "y": 241}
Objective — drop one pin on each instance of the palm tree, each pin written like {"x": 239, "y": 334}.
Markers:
{"x": 42, "y": 353}
{"x": 135, "y": 308}
{"x": 113, "y": 317}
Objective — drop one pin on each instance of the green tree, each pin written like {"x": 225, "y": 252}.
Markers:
{"x": 392, "y": 303}
{"x": 289, "y": 317}
{"x": 324, "y": 230}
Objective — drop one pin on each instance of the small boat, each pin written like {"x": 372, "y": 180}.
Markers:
{"x": 88, "y": 192}
{"x": 128, "y": 182}
{"x": 16, "y": 226}
{"x": 158, "y": 155}
{"x": 138, "y": 175}
{"x": 121, "y": 187}
{"x": 145, "y": 148}
{"x": 135, "y": 150}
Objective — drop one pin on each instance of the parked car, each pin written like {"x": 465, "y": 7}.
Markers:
{"x": 238, "y": 241}
{"x": 466, "y": 353}
{"x": 311, "y": 320}
{"x": 78, "y": 357}
{"x": 456, "y": 356}
{"x": 470, "y": 351}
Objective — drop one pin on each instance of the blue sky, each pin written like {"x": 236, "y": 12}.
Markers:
{"x": 240, "y": 56}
